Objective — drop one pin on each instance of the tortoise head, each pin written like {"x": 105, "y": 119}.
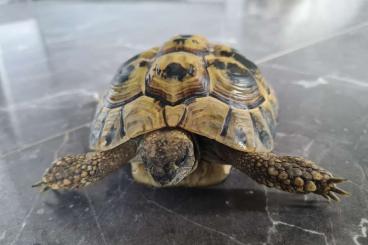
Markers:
{"x": 169, "y": 155}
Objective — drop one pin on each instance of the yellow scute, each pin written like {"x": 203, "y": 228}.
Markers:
{"x": 142, "y": 115}
{"x": 174, "y": 114}
{"x": 205, "y": 116}
{"x": 186, "y": 42}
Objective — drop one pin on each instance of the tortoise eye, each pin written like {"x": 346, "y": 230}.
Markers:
{"x": 181, "y": 162}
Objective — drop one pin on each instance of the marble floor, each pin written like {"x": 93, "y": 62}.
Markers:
{"x": 57, "y": 57}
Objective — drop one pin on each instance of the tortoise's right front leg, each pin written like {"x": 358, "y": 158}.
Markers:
{"x": 75, "y": 171}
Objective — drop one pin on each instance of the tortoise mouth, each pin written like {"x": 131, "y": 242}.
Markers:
{"x": 172, "y": 178}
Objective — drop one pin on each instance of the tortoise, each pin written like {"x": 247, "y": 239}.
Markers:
{"x": 184, "y": 114}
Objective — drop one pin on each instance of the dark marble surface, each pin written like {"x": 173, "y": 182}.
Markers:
{"x": 57, "y": 57}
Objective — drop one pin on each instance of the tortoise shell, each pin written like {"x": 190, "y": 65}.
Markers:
{"x": 189, "y": 83}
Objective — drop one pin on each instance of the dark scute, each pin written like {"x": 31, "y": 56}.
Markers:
{"x": 244, "y": 61}
{"x": 143, "y": 63}
{"x": 226, "y": 123}
{"x": 121, "y": 103}
{"x": 247, "y": 81}
{"x": 104, "y": 116}
{"x": 158, "y": 71}
{"x": 240, "y": 76}
{"x": 235, "y": 69}
{"x": 122, "y": 131}
{"x": 189, "y": 100}
{"x": 131, "y": 60}
{"x": 186, "y": 36}
{"x": 110, "y": 135}
{"x": 123, "y": 74}
{"x": 265, "y": 139}
{"x": 176, "y": 71}
{"x": 218, "y": 64}
{"x": 161, "y": 103}
{"x": 259, "y": 101}
{"x": 269, "y": 118}
{"x": 261, "y": 131}
{"x": 240, "y": 58}
{"x": 96, "y": 133}
{"x": 226, "y": 53}
{"x": 241, "y": 136}
{"x": 179, "y": 41}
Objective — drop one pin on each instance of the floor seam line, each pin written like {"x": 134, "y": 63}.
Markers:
{"x": 310, "y": 43}
{"x": 27, "y": 146}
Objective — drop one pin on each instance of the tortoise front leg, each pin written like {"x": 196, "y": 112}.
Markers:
{"x": 287, "y": 173}
{"x": 75, "y": 171}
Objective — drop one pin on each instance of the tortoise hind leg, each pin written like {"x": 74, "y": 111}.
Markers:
{"x": 75, "y": 171}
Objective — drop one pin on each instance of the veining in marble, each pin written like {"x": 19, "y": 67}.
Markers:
{"x": 57, "y": 57}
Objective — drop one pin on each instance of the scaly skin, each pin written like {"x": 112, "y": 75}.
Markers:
{"x": 287, "y": 173}
{"x": 76, "y": 171}
{"x": 169, "y": 155}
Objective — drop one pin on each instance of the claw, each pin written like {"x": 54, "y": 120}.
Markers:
{"x": 326, "y": 197}
{"x": 42, "y": 185}
{"x": 337, "y": 180}
{"x": 339, "y": 191}
{"x": 37, "y": 184}
{"x": 333, "y": 196}
{"x": 44, "y": 188}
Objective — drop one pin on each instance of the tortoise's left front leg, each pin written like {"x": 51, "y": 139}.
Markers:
{"x": 75, "y": 171}
{"x": 288, "y": 173}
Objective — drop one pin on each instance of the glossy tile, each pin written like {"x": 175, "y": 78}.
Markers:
{"x": 321, "y": 119}
{"x": 57, "y": 57}
{"x": 63, "y": 49}
{"x": 30, "y": 217}
{"x": 257, "y": 28}
{"x": 236, "y": 212}
{"x": 343, "y": 58}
